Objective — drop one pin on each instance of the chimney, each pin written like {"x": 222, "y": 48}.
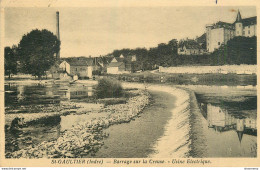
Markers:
{"x": 58, "y": 29}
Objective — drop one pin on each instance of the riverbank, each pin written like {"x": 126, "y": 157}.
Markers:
{"x": 229, "y": 79}
{"x": 86, "y": 137}
{"x": 64, "y": 108}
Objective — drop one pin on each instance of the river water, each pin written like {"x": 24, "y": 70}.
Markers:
{"x": 137, "y": 138}
{"x": 31, "y": 98}
{"x": 227, "y": 123}
{"x": 230, "y": 114}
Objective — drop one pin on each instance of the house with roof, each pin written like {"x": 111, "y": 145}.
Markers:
{"x": 190, "y": 47}
{"x": 77, "y": 66}
{"x": 221, "y": 32}
{"x": 122, "y": 64}
{"x": 116, "y": 66}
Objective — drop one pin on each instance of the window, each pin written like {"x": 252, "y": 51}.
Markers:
{"x": 243, "y": 32}
{"x": 218, "y": 43}
{"x": 248, "y": 31}
{"x": 76, "y": 69}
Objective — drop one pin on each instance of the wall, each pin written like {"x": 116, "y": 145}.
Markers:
{"x": 185, "y": 51}
{"x": 216, "y": 38}
{"x": 65, "y": 66}
{"x": 252, "y": 29}
{"x": 81, "y": 71}
{"x": 239, "y": 29}
{"x": 112, "y": 70}
{"x": 238, "y": 69}
{"x": 89, "y": 71}
{"x": 228, "y": 34}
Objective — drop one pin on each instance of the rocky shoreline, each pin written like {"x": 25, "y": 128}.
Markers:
{"x": 65, "y": 108}
{"x": 86, "y": 137}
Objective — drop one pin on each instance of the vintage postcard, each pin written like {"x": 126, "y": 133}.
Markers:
{"x": 129, "y": 83}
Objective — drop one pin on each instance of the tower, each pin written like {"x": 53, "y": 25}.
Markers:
{"x": 238, "y": 25}
{"x": 58, "y": 30}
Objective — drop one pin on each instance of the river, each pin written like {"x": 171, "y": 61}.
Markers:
{"x": 224, "y": 126}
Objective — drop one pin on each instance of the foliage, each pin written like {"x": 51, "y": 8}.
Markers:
{"x": 10, "y": 60}
{"x": 108, "y": 88}
{"x": 96, "y": 72}
{"x": 37, "y": 51}
{"x": 163, "y": 54}
{"x": 239, "y": 50}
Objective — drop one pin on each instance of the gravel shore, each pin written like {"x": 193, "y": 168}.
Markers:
{"x": 86, "y": 137}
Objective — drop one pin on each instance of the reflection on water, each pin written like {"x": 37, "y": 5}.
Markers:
{"x": 19, "y": 97}
{"x": 231, "y": 122}
{"x": 40, "y": 98}
{"x": 230, "y": 128}
{"x": 219, "y": 119}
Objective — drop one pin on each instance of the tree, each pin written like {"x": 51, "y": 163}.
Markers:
{"x": 173, "y": 45}
{"x": 38, "y": 52}
{"x": 239, "y": 50}
{"x": 10, "y": 61}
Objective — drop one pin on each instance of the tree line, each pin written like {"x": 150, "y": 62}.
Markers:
{"x": 37, "y": 52}
{"x": 239, "y": 50}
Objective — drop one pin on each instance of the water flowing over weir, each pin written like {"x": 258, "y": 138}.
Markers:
{"x": 176, "y": 140}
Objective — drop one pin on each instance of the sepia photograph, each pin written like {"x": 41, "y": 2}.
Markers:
{"x": 130, "y": 82}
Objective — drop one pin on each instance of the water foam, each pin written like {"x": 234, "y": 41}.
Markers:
{"x": 175, "y": 141}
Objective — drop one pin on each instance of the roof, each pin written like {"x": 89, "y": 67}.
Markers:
{"x": 115, "y": 64}
{"x": 240, "y": 135}
{"x": 222, "y": 24}
{"x": 239, "y": 18}
{"x": 202, "y": 38}
{"x": 189, "y": 44}
{"x": 119, "y": 59}
{"x": 249, "y": 21}
{"x": 79, "y": 61}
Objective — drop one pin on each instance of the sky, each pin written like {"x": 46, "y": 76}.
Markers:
{"x": 100, "y": 30}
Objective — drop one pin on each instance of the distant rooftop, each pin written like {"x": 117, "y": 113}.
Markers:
{"x": 189, "y": 44}
{"x": 79, "y": 61}
{"x": 245, "y": 22}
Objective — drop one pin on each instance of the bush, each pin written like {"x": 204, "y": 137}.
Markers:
{"x": 96, "y": 72}
{"x": 108, "y": 88}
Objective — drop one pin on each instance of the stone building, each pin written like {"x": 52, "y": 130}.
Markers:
{"x": 221, "y": 32}
{"x": 190, "y": 47}
{"x": 80, "y": 66}
{"x": 116, "y": 66}
{"x": 122, "y": 64}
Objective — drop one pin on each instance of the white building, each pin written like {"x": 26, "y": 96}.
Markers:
{"x": 220, "y": 32}
{"x": 78, "y": 66}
